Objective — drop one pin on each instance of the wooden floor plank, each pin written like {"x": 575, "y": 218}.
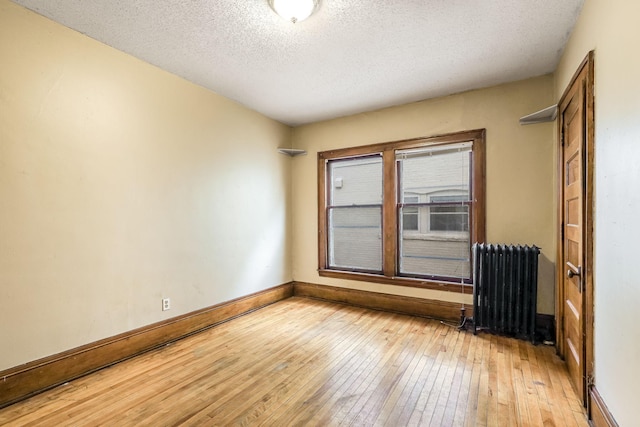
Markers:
{"x": 457, "y": 406}
{"x": 434, "y": 379}
{"x": 408, "y": 392}
{"x": 561, "y": 391}
{"x": 396, "y": 400}
{"x": 344, "y": 398}
{"x": 325, "y": 387}
{"x": 542, "y": 389}
{"x": 292, "y": 363}
{"x": 228, "y": 395}
{"x": 387, "y": 374}
{"x": 519, "y": 388}
{"x": 535, "y": 416}
{"x": 438, "y": 416}
{"x": 385, "y": 382}
{"x": 492, "y": 390}
{"x": 307, "y": 362}
{"x": 345, "y": 410}
{"x": 475, "y": 395}
{"x": 507, "y": 400}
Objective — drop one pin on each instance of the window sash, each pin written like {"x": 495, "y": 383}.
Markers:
{"x": 439, "y": 246}
{"x": 357, "y": 230}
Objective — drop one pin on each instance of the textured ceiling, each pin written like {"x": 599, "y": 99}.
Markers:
{"x": 350, "y": 56}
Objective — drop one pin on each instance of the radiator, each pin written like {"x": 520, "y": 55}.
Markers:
{"x": 505, "y": 282}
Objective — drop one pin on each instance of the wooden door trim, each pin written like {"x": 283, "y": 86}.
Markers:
{"x": 585, "y": 72}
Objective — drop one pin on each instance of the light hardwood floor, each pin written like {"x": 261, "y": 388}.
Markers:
{"x": 307, "y": 362}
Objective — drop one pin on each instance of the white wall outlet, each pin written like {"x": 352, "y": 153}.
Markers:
{"x": 166, "y": 304}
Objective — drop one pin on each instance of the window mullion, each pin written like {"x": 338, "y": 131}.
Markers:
{"x": 389, "y": 214}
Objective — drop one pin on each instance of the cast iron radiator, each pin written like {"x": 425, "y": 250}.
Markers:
{"x": 505, "y": 282}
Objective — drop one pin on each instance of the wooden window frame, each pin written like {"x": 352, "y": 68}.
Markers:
{"x": 389, "y": 212}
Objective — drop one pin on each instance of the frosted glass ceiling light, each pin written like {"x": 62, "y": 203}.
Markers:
{"x": 294, "y": 10}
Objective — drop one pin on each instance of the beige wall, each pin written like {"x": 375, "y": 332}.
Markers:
{"x": 121, "y": 184}
{"x": 611, "y": 28}
{"x": 520, "y": 172}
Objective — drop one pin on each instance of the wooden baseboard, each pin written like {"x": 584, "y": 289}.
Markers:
{"x": 26, "y": 380}
{"x": 443, "y": 310}
{"x": 34, "y": 377}
{"x": 600, "y": 415}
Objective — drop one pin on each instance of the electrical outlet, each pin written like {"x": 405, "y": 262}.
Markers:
{"x": 166, "y": 304}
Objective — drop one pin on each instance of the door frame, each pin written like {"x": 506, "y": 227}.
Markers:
{"x": 586, "y": 71}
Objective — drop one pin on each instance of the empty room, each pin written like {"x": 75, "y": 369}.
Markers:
{"x": 319, "y": 212}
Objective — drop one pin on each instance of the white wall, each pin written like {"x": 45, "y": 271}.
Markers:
{"x": 611, "y": 28}
{"x": 121, "y": 184}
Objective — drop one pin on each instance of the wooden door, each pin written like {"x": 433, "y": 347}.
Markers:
{"x": 573, "y": 139}
{"x": 575, "y": 307}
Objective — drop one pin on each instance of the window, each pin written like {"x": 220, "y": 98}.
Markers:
{"x": 410, "y": 213}
{"x": 449, "y": 213}
{"x": 404, "y": 212}
{"x": 354, "y": 213}
{"x": 440, "y": 175}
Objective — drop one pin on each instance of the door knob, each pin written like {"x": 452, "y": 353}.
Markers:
{"x": 571, "y": 274}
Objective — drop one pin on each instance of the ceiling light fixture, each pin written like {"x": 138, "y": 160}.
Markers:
{"x": 294, "y": 10}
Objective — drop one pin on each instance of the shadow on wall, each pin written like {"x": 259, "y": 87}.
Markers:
{"x": 546, "y": 285}
{"x": 546, "y": 298}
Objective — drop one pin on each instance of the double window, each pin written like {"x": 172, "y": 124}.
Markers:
{"x": 404, "y": 212}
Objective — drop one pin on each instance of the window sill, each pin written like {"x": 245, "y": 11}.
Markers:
{"x": 398, "y": 281}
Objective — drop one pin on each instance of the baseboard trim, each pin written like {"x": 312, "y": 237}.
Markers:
{"x": 23, "y": 381}
{"x": 442, "y": 310}
{"x": 600, "y": 414}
